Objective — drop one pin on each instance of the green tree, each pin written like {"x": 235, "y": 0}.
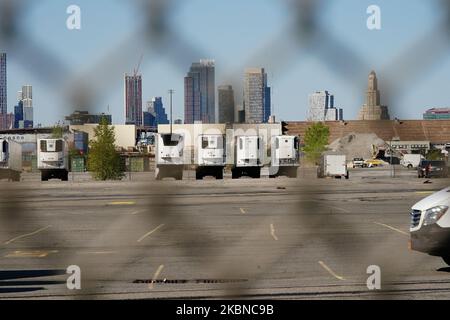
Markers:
{"x": 57, "y": 132}
{"x": 316, "y": 140}
{"x": 435, "y": 155}
{"x": 103, "y": 159}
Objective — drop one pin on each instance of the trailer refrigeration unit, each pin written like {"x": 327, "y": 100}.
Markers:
{"x": 10, "y": 160}
{"x": 169, "y": 156}
{"x": 285, "y": 157}
{"x": 333, "y": 165}
{"x": 211, "y": 156}
{"x": 248, "y": 156}
{"x": 53, "y": 157}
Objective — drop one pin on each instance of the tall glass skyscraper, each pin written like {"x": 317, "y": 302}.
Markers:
{"x": 226, "y": 104}
{"x": 156, "y": 107}
{"x": 3, "y": 90}
{"x": 199, "y": 93}
{"x": 133, "y": 99}
{"x": 321, "y": 107}
{"x": 257, "y": 99}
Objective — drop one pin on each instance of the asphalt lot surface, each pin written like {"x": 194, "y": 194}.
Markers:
{"x": 278, "y": 238}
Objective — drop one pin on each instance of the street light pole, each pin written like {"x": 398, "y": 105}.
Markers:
{"x": 171, "y": 92}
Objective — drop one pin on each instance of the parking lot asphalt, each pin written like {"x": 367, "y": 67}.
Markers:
{"x": 304, "y": 238}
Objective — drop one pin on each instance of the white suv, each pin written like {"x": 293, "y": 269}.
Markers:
{"x": 430, "y": 225}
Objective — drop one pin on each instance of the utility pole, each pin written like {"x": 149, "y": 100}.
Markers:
{"x": 171, "y": 92}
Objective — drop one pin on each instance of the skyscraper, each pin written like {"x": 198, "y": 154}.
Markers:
{"x": 372, "y": 109}
{"x": 256, "y": 96}
{"x": 133, "y": 99}
{"x": 156, "y": 107}
{"x": 226, "y": 104}
{"x": 27, "y": 100}
{"x": 321, "y": 107}
{"x": 3, "y": 90}
{"x": 199, "y": 93}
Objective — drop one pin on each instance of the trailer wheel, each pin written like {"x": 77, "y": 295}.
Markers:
{"x": 179, "y": 176}
{"x": 65, "y": 176}
{"x": 410, "y": 166}
{"x": 219, "y": 175}
{"x": 44, "y": 176}
{"x": 235, "y": 174}
{"x": 256, "y": 174}
{"x": 198, "y": 176}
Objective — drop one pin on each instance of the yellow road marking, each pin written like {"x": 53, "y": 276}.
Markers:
{"x": 392, "y": 228}
{"x": 98, "y": 252}
{"x": 121, "y": 203}
{"x": 242, "y": 210}
{"x": 30, "y": 254}
{"x": 155, "y": 276}
{"x": 149, "y": 233}
{"x": 272, "y": 232}
{"x": 327, "y": 268}
{"x": 27, "y": 235}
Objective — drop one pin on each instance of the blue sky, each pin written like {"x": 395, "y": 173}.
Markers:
{"x": 237, "y": 34}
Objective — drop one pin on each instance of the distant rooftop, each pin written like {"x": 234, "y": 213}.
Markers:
{"x": 438, "y": 110}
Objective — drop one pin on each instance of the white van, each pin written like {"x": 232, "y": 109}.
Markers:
{"x": 430, "y": 225}
{"x": 411, "y": 160}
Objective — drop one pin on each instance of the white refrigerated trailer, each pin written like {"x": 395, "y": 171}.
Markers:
{"x": 52, "y": 159}
{"x": 10, "y": 160}
{"x": 285, "y": 157}
{"x": 169, "y": 156}
{"x": 211, "y": 156}
{"x": 248, "y": 156}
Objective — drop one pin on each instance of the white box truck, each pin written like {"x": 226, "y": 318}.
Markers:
{"x": 333, "y": 165}
{"x": 430, "y": 225}
{"x": 285, "y": 157}
{"x": 10, "y": 160}
{"x": 248, "y": 156}
{"x": 211, "y": 156}
{"x": 169, "y": 156}
{"x": 411, "y": 161}
{"x": 53, "y": 159}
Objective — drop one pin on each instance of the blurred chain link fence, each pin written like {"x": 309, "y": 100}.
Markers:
{"x": 305, "y": 36}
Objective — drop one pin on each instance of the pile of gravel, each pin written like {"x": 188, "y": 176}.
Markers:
{"x": 357, "y": 145}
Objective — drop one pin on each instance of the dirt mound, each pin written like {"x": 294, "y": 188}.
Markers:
{"x": 357, "y": 145}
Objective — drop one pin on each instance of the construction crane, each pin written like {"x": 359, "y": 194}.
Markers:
{"x": 138, "y": 66}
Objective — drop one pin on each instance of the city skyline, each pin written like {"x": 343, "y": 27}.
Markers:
{"x": 102, "y": 31}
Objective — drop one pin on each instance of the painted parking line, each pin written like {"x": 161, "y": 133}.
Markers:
{"x": 155, "y": 276}
{"x": 243, "y": 210}
{"x": 330, "y": 271}
{"x": 150, "y": 232}
{"x": 30, "y": 254}
{"x": 98, "y": 252}
{"x": 392, "y": 228}
{"x": 272, "y": 232}
{"x": 121, "y": 203}
{"x": 27, "y": 235}
{"x": 425, "y": 192}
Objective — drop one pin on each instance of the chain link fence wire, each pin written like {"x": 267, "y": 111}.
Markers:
{"x": 160, "y": 40}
